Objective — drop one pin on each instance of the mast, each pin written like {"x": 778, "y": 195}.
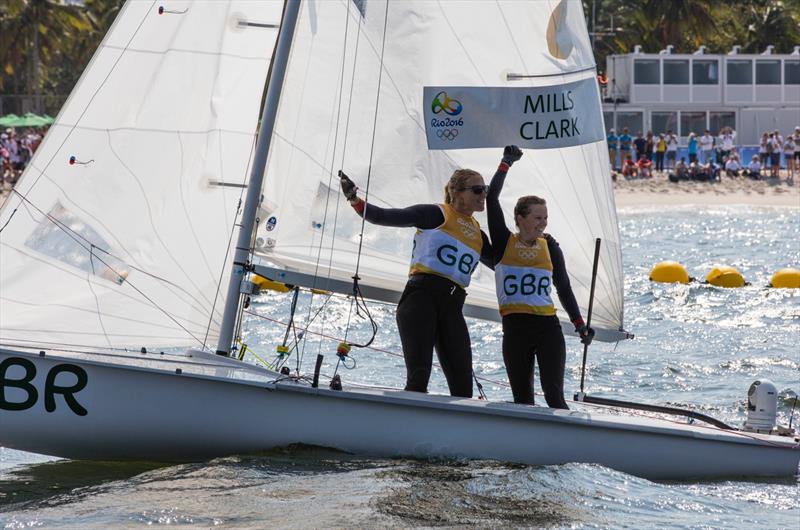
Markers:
{"x": 279, "y": 62}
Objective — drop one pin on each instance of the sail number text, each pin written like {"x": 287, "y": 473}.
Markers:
{"x": 51, "y": 388}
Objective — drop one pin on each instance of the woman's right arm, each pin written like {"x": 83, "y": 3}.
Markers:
{"x": 424, "y": 216}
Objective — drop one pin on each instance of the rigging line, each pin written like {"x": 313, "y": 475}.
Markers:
{"x": 94, "y": 295}
{"x": 460, "y": 43}
{"x": 94, "y": 95}
{"x": 372, "y": 143}
{"x": 69, "y": 232}
{"x": 229, "y": 246}
{"x": 583, "y": 212}
{"x": 331, "y": 167}
{"x": 153, "y": 225}
{"x": 511, "y": 36}
{"x": 85, "y": 243}
{"x": 373, "y": 348}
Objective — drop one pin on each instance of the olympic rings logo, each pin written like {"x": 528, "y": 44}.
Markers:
{"x": 447, "y": 134}
{"x": 443, "y": 103}
{"x": 526, "y": 253}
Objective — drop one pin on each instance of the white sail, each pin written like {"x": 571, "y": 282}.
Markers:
{"x": 125, "y": 244}
{"x": 360, "y": 68}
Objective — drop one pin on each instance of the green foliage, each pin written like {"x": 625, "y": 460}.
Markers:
{"x": 687, "y": 24}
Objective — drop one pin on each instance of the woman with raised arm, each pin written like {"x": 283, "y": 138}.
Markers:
{"x": 448, "y": 246}
{"x": 527, "y": 263}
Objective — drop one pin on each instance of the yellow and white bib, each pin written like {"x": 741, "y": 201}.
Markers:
{"x": 524, "y": 278}
{"x": 451, "y": 250}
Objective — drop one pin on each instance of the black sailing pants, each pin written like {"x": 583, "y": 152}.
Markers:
{"x": 429, "y": 315}
{"x": 526, "y": 337}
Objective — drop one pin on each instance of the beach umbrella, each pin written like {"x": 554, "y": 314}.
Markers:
{"x": 31, "y": 120}
{"x": 8, "y": 120}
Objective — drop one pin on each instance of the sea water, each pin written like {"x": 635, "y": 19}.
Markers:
{"x": 696, "y": 345}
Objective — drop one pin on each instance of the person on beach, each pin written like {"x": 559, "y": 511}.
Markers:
{"x": 788, "y": 156}
{"x": 640, "y": 144}
{"x": 629, "y": 168}
{"x": 775, "y": 146}
{"x": 754, "y": 168}
{"x": 448, "y": 246}
{"x": 672, "y": 149}
{"x": 645, "y": 167}
{"x": 692, "y": 148}
{"x": 527, "y": 263}
{"x": 732, "y": 166}
{"x": 624, "y": 145}
{"x": 681, "y": 171}
{"x": 661, "y": 148}
{"x": 706, "y": 146}
{"x": 763, "y": 149}
{"x": 613, "y": 144}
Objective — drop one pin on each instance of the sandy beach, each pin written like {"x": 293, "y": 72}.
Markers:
{"x": 659, "y": 191}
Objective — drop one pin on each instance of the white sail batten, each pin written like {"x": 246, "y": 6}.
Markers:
{"x": 326, "y": 122}
{"x": 118, "y": 233}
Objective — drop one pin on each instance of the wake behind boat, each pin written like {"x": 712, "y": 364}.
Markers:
{"x": 119, "y": 237}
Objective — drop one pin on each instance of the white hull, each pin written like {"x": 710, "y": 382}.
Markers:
{"x": 140, "y": 408}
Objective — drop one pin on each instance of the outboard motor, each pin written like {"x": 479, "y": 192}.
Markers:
{"x": 762, "y": 406}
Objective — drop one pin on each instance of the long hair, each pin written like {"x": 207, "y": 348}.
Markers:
{"x": 524, "y": 204}
{"x": 457, "y": 181}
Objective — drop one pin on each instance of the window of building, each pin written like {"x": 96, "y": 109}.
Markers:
{"x": 768, "y": 72}
{"x": 740, "y": 72}
{"x": 661, "y": 122}
{"x": 634, "y": 121}
{"x": 718, "y": 120}
{"x": 645, "y": 72}
{"x": 676, "y": 72}
{"x": 608, "y": 118}
{"x": 693, "y": 122}
{"x": 791, "y": 72}
{"x": 705, "y": 72}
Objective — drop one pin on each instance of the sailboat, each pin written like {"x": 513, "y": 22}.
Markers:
{"x": 130, "y": 244}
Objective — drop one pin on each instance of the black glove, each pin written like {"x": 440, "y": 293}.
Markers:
{"x": 349, "y": 187}
{"x": 511, "y": 154}
{"x": 586, "y": 333}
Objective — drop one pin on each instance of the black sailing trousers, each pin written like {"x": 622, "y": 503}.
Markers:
{"x": 526, "y": 337}
{"x": 429, "y": 316}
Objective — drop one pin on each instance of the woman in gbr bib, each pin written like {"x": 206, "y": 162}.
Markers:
{"x": 527, "y": 264}
{"x": 448, "y": 246}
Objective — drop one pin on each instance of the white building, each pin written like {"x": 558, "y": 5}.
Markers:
{"x": 687, "y": 93}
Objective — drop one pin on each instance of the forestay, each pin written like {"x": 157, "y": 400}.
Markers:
{"x": 118, "y": 232}
{"x": 335, "y": 95}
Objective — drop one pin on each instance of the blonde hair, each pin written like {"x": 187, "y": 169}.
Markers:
{"x": 457, "y": 181}
{"x": 524, "y": 205}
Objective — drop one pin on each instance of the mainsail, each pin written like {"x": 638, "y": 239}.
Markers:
{"x": 117, "y": 234}
{"x": 354, "y": 99}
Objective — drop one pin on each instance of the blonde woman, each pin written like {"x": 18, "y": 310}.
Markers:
{"x": 448, "y": 246}
{"x": 528, "y": 263}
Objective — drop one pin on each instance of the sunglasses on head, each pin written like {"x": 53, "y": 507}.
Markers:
{"x": 477, "y": 189}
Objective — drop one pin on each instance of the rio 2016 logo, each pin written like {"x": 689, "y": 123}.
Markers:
{"x": 446, "y": 127}
{"x": 443, "y": 103}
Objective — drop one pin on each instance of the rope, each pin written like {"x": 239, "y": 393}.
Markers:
{"x": 373, "y": 348}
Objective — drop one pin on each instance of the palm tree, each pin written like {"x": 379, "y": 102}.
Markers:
{"x": 33, "y": 33}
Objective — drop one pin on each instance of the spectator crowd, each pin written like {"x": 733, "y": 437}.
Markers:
{"x": 709, "y": 157}
{"x": 16, "y": 151}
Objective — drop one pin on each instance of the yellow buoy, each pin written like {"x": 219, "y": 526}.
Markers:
{"x": 724, "y": 276}
{"x": 669, "y": 272}
{"x": 786, "y": 279}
